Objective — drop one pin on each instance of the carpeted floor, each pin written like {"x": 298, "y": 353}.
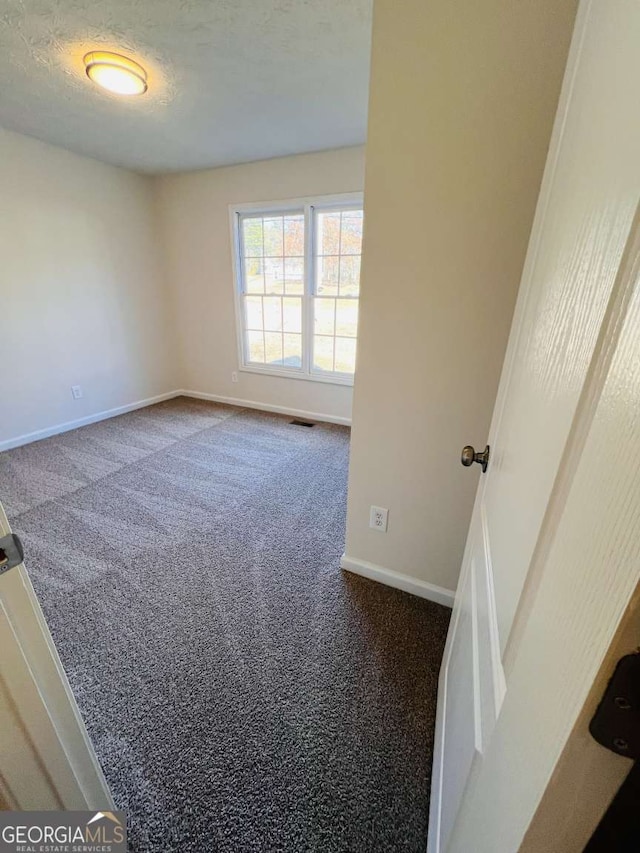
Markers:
{"x": 243, "y": 694}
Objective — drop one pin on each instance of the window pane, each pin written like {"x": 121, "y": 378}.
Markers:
{"x": 254, "y": 275}
{"x": 323, "y": 353}
{"x": 351, "y": 233}
{"x": 328, "y": 234}
{"x": 345, "y": 355}
{"x": 275, "y": 306}
{"x": 324, "y": 316}
{"x": 255, "y": 346}
{"x": 252, "y": 237}
{"x": 253, "y": 312}
{"x": 292, "y": 350}
{"x": 294, "y": 235}
{"x": 274, "y": 275}
{"x": 347, "y": 318}
{"x": 294, "y": 275}
{"x": 328, "y": 272}
{"x": 273, "y": 347}
{"x": 350, "y": 275}
{"x": 272, "y": 308}
{"x": 273, "y": 237}
{"x": 292, "y": 315}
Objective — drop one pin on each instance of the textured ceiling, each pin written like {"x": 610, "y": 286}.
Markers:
{"x": 229, "y": 80}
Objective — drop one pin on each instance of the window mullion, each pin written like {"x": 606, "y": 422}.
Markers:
{"x": 309, "y": 288}
{"x": 241, "y": 290}
{"x": 335, "y": 303}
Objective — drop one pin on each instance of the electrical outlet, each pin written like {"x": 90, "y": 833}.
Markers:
{"x": 379, "y": 518}
{"x": 234, "y": 375}
{"x": 76, "y": 391}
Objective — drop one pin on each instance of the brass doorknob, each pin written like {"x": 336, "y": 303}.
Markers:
{"x": 469, "y": 456}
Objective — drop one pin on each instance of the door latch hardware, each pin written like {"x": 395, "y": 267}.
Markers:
{"x": 471, "y": 455}
{"x": 616, "y": 723}
{"x": 11, "y": 552}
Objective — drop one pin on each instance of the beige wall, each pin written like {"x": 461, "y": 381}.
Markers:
{"x": 123, "y": 284}
{"x": 82, "y": 297}
{"x": 461, "y": 108}
{"x": 194, "y": 209}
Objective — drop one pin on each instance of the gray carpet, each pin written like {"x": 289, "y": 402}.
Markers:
{"x": 243, "y": 694}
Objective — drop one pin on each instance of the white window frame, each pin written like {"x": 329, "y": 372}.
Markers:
{"x": 307, "y": 204}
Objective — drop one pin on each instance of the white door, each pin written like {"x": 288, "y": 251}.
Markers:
{"x": 46, "y": 757}
{"x": 569, "y": 292}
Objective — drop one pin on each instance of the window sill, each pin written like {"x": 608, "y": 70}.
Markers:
{"x": 327, "y": 379}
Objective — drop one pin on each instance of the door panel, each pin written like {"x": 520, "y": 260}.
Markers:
{"x": 491, "y": 685}
{"x": 471, "y": 681}
{"x": 21, "y": 776}
{"x": 461, "y": 711}
{"x": 589, "y": 211}
{"x": 46, "y": 758}
{"x": 583, "y": 223}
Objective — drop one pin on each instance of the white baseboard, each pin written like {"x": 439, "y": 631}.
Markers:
{"x": 28, "y": 437}
{"x": 423, "y": 589}
{"x": 266, "y": 407}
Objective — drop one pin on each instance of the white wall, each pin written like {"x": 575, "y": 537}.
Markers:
{"x": 81, "y": 288}
{"x": 194, "y": 210}
{"x": 461, "y": 108}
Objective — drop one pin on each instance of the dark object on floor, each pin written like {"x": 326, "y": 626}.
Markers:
{"x": 297, "y": 422}
{"x": 619, "y": 829}
{"x": 243, "y": 694}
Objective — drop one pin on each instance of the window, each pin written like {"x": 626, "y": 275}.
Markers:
{"x": 297, "y": 287}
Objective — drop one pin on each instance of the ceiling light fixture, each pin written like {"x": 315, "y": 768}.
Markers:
{"x": 116, "y": 73}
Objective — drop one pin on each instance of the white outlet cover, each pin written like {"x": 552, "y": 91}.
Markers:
{"x": 379, "y": 518}
{"x": 234, "y": 376}
{"x": 76, "y": 392}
